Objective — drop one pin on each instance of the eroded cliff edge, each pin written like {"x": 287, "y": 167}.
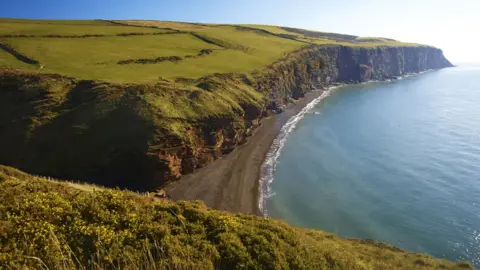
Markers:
{"x": 134, "y": 136}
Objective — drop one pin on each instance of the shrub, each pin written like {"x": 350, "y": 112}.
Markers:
{"x": 52, "y": 225}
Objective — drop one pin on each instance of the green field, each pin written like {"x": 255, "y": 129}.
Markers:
{"x": 96, "y": 58}
{"x": 182, "y": 26}
{"x": 60, "y": 48}
{"x": 180, "y": 73}
{"x": 68, "y": 28}
{"x": 8, "y": 60}
{"x": 50, "y": 225}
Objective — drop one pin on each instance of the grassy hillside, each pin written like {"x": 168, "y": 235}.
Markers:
{"x": 8, "y": 60}
{"x": 67, "y": 28}
{"x": 96, "y": 49}
{"x": 140, "y": 103}
{"x": 52, "y": 225}
{"x": 95, "y": 123}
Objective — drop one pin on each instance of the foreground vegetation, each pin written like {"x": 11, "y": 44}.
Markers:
{"x": 52, "y": 225}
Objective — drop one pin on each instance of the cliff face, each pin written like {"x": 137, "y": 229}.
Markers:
{"x": 310, "y": 69}
{"x": 61, "y": 127}
{"x": 319, "y": 67}
{"x": 385, "y": 63}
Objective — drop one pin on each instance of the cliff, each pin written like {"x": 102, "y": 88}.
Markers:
{"x": 119, "y": 135}
{"x": 319, "y": 67}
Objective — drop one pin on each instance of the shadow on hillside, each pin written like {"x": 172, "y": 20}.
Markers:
{"x": 98, "y": 136}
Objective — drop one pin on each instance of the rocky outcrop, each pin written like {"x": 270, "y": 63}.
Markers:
{"x": 313, "y": 68}
{"x": 289, "y": 79}
{"x": 318, "y": 67}
{"x": 109, "y": 134}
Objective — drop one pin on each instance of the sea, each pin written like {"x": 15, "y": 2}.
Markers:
{"x": 395, "y": 161}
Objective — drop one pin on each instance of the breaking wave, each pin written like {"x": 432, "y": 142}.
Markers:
{"x": 270, "y": 163}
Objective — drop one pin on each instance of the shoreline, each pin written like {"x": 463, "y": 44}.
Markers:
{"x": 232, "y": 182}
{"x": 238, "y": 182}
{"x": 269, "y": 165}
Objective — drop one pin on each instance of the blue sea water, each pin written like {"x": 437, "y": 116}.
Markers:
{"x": 393, "y": 161}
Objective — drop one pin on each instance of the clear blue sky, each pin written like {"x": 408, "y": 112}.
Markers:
{"x": 448, "y": 24}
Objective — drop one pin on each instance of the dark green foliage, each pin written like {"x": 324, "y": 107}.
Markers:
{"x": 51, "y": 225}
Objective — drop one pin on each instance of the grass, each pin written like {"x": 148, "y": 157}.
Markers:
{"x": 237, "y": 49}
{"x": 365, "y": 44}
{"x": 57, "y": 22}
{"x": 99, "y": 55}
{"x": 67, "y": 28}
{"x": 39, "y": 110}
{"x": 182, "y": 26}
{"x": 323, "y": 38}
{"x": 46, "y": 224}
{"x": 9, "y": 61}
{"x": 247, "y": 49}
{"x": 272, "y": 28}
{"x": 261, "y": 44}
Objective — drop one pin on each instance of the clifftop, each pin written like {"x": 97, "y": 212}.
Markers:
{"x": 149, "y": 51}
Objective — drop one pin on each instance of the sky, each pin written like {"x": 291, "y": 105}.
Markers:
{"x": 452, "y": 25}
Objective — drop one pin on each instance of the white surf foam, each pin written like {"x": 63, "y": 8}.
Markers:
{"x": 270, "y": 163}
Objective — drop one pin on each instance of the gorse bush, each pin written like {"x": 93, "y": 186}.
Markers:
{"x": 51, "y": 225}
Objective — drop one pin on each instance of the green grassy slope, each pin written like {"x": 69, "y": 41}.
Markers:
{"x": 52, "y": 225}
{"x": 189, "y": 92}
{"x": 104, "y": 131}
{"x": 70, "y": 28}
{"x": 92, "y": 49}
{"x": 96, "y": 58}
{"x": 8, "y": 60}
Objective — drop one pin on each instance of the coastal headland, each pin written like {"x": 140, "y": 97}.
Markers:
{"x": 191, "y": 108}
{"x": 141, "y": 104}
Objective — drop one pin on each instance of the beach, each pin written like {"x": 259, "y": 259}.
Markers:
{"x": 231, "y": 183}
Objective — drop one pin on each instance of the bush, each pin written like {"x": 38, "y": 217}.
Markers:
{"x": 51, "y": 225}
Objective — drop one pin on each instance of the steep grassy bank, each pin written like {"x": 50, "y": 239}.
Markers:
{"x": 140, "y": 135}
{"x": 140, "y": 110}
{"x": 123, "y": 134}
{"x": 54, "y": 225}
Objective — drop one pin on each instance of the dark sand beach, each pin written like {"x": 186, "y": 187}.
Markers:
{"x": 231, "y": 183}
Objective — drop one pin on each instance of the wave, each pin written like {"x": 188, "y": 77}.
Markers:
{"x": 270, "y": 163}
